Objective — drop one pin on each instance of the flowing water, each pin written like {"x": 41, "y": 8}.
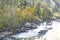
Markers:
{"x": 33, "y": 34}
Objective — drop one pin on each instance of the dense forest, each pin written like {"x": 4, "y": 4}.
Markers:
{"x": 15, "y": 12}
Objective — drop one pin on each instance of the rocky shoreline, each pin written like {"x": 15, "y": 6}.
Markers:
{"x": 22, "y": 28}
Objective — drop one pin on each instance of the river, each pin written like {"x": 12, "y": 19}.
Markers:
{"x": 34, "y": 33}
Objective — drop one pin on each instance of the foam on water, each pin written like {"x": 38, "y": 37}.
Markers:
{"x": 31, "y": 33}
{"x": 53, "y": 34}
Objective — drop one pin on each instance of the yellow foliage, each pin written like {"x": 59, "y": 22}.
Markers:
{"x": 36, "y": 17}
{"x": 27, "y": 13}
{"x": 18, "y": 10}
{"x": 56, "y": 14}
{"x": 33, "y": 9}
{"x": 26, "y": 10}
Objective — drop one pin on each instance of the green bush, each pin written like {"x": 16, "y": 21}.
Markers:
{"x": 1, "y": 22}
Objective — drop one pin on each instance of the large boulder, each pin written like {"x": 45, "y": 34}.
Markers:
{"x": 31, "y": 25}
{"x": 34, "y": 26}
{"x": 28, "y": 25}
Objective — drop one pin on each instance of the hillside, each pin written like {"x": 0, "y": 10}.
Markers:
{"x": 17, "y": 16}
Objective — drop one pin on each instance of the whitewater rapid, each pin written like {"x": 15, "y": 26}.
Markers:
{"x": 32, "y": 32}
{"x": 53, "y": 34}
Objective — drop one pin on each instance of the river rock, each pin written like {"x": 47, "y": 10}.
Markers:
{"x": 38, "y": 22}
{"x": 28, "y": 25}
{"x": 34, "y": 26}
{"x": 22, "y": 29}
{"x": 27, "y": 28}
{"x": 3, "y": 34}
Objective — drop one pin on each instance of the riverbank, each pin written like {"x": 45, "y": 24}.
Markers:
{"x": 54, "y": 25}
{"x": 20, "y": 29}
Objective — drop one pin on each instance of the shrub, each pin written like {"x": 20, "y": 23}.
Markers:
{"x": 1, "y": 22}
